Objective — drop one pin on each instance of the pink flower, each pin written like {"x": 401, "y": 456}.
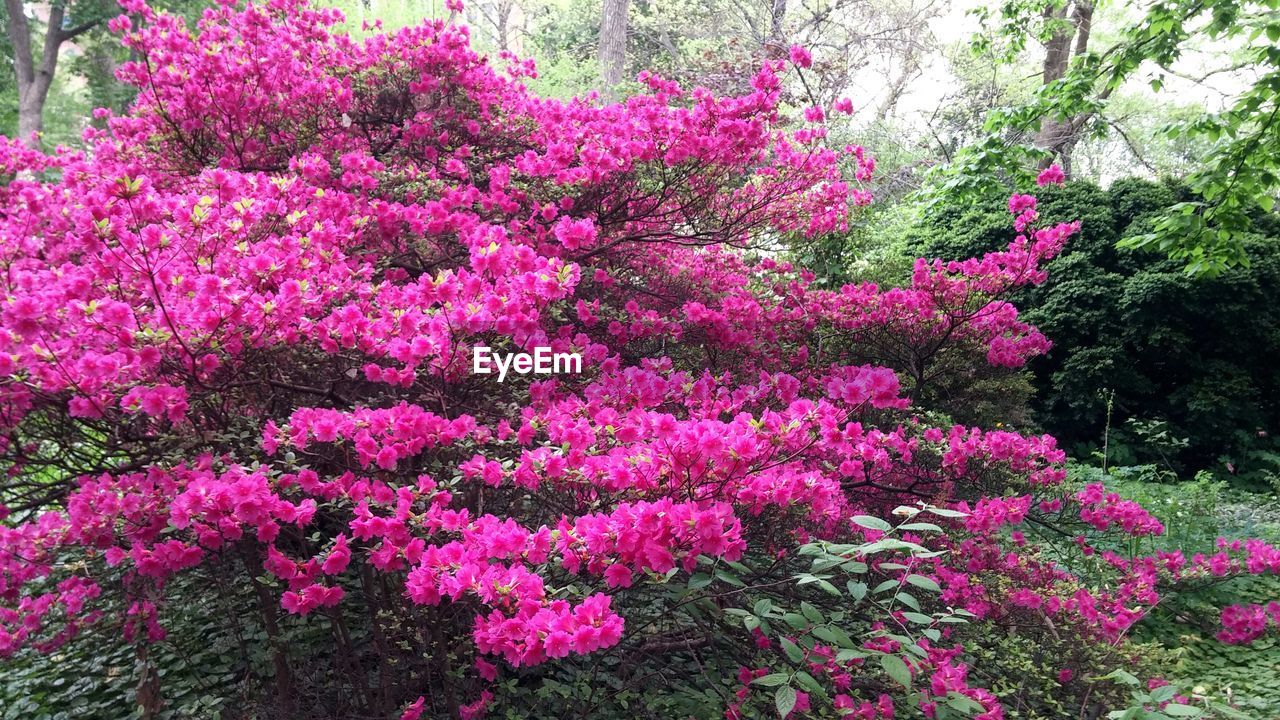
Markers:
{"x": 618, "y": 576}
{"x": 387, "y": 458}
{"x": 267, "y": 264}
{"x": 415, "y": 710}
{"x": 558, "y": 644}
{"x": 1051, "y": 175}
{"x": 338, "y": 557}
{"x": 585, "y": 639}
{"x": 486, "y": 670}
{"x": 800, "y": 57}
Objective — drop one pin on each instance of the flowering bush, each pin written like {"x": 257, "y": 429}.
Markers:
{"x": 237, "y": 337}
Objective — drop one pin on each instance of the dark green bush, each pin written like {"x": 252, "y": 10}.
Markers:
{"x": 1189, "y": 360}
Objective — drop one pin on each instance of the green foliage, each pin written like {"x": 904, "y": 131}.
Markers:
{"x": 392, "y": 15}
{"x": 1237, "y": 176}
{"x": 96, "y": 676}
{"x": 66, "y": 113}
{"x": 1023, "y": 670}
{"x": 85, "y": 77}
{"x": 876, "y": 248}
{"x": 1182, "y": 354}
{"x": 8, "y": 81}
{"x": 842, "y": 593}
{"x": 1195, "y": 514}
{"x": 215, "y": 660}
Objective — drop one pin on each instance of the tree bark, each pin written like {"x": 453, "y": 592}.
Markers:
{"x": 279, "y": 651}
{"x": 34, "y": 79}
{"x": 504, "y": 16}
{"x": 777, "y": 16}
{"x": 147, "y": 693}
{"x": 1057, "y": 53}
{"x": 612, "y": 52}
{"x": 1057, "y": 136}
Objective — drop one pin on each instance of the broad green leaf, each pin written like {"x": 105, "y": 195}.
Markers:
{"x": 857, "y": 590}
{"x": 811, "y": 612}
{"x": 897, "y": 669}
{"x": 772, "y": 679}
{"x": 920, "y": 527}
{"x": 921, "y": 581}
{"x": 871, "y": 522}
{"x": 785, "y": 700}
{"x": 792, "y": 650}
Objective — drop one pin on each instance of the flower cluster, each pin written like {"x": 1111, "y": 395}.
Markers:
{"x": 649, "y": 536}
{"x": 1102, "y": 510}
{"x": 240, "y": 325}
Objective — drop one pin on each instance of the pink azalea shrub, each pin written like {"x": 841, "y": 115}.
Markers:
{"x": 236, "y": 337}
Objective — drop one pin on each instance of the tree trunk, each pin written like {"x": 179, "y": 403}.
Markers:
{"x": 504, "y": 16}
{"x": 612, "y": 53}
{"x": 34, "y": 80}
{"x": 147, "y": 693}
{"x": 1057, "y": 136}
{"x": 1057, "y": 53}
{"x": 778, "y": 15}
{"x": 279, "y": 651}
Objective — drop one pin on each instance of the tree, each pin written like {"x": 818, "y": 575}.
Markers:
{"x": 504, "y": 19}
{"x": 715, "y": 43}
{"x": 238, "y": 374}
{"x": 1238, "y": 175}
{"x": 35, "y": 67}
{"x": 1070, "y": 27}
{"x": 612, "y": 52}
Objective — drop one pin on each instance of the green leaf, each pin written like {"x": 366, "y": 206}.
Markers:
{"x": 811, "y": 612}
{"x": 871, "y": 522}
{"x": 808, "y": 682}
{"x": 834, "y": 635}
{"x": 1123, "y": 677}
{"x": 921, "y": 581}
{"x": 1177, "y": 710}
{"x": 785, "y": 700}
{"x": 795, "y": 620}
{"x": 730, "y": 578}
{"x": 857, "y": 590}
{"x": 845, "y": 656}
{"x": 792, "y": 650}
{"x": 896, "y": 669}
{"x": 920, "y": 527}
{"x": 963, "y": 703}
{"x": 909, "y": 600}
{"x": 886, "y": 585}
{"x": 772, "y": 679}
